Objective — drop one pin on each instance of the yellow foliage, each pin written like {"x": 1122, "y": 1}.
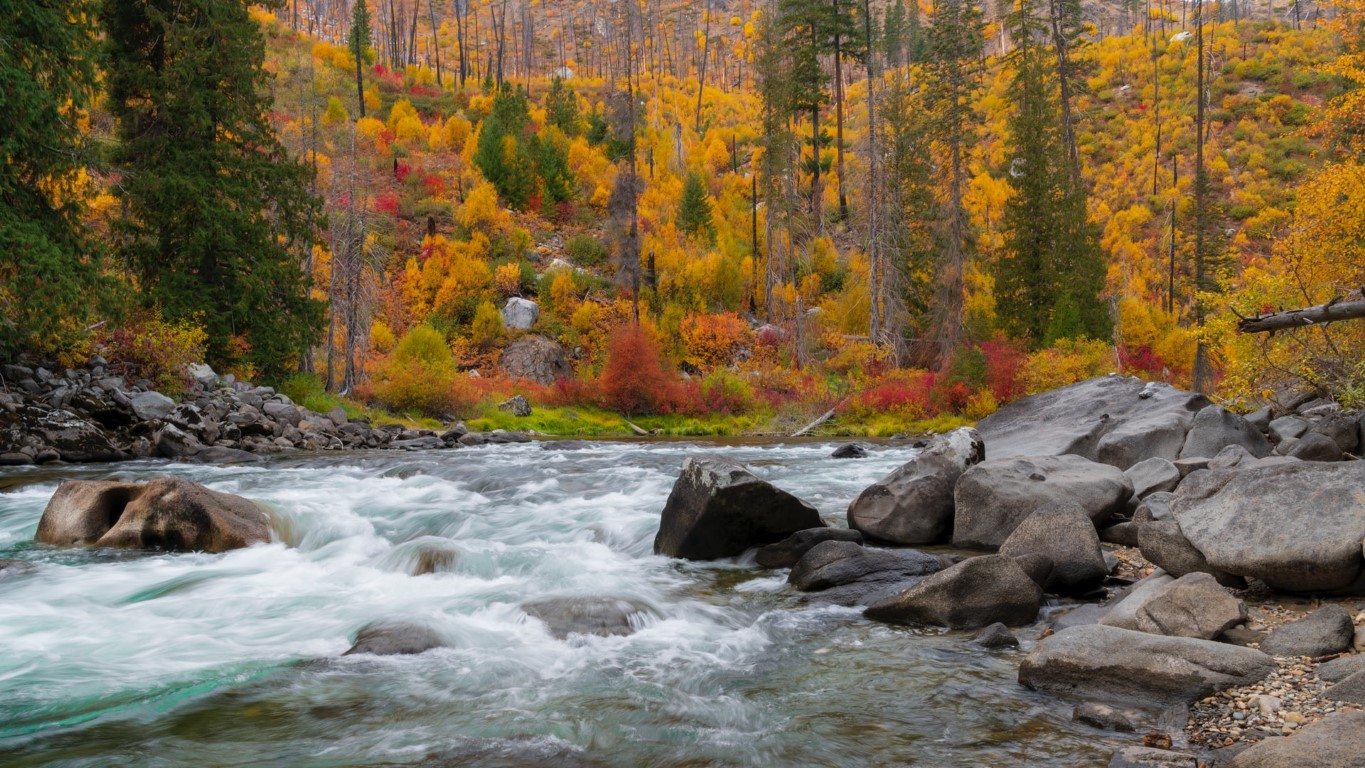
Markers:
{"x": 507, "y": 279}
{"x": 1070, "y": 361}
{"x": 382, "y": 339}
{"x": 480, "y": 211}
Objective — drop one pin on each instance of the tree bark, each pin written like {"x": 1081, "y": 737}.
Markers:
{"x": 1342, "y": 308}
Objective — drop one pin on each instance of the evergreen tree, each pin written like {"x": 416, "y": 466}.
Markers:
{"x": 893, "y": 34}
{"x": 561, "y": 108}
{"x": 358, "y": 40}
{"x": 551, "y": 152}
{"x": 1048, "y": 280}
{"x": 503, "y": 154}
{"x": 46, "y": 266}
{"x": 694, "y": 211}
{"x": 217, "y": 214}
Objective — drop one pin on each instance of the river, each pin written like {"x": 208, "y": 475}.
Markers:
{"x": 147, "y": 659}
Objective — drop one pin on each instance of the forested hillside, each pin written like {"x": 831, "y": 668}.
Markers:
{"x": 732, "y": 215}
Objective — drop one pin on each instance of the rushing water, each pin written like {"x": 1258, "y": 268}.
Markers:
{"x": 148, "y": 659}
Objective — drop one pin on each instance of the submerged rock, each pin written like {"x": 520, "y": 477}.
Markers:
{"x": 718, "y": 508}
{"x": 786, "y": 553}
{"x": 837, "y": 563}
{"x": 601, "y": 616}
{"x": 385, "y": 638}
{"x": 166, "y": 513}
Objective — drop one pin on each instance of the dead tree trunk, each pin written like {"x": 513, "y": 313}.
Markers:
{"x": 1341, "y": 308}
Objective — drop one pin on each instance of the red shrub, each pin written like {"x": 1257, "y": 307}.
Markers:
{"x": 401, "y": 171}
{"x": 387, "y": 203}
{"x": 1142, "y": 361}
{"x": 899, "y": 391}
{"x": 634, "y": 380}
{"x": 435, "y": 185}
{"x": 1004, "y": 362}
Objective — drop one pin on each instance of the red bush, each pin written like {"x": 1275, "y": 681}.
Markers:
{"x": 435, "y": 185}
{"x": 1004, "y": 362}
{"x": 1142, "y": 361}
{"x": 899, "y": 391}
{"x": 387, "y": 203}
{"x": 401, "y": 171}
{"x": 634, "y": 380}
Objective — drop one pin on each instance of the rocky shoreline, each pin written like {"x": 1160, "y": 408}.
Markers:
{"x": 93, "y": 414}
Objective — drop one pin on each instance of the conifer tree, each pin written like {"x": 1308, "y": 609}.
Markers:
{"x": 561, "y": 108}
{"x": 358, "y": 40}
{"x": 694, "y": 210}
{"x": 47, "y": 267}
{"x": 217, "y": 214}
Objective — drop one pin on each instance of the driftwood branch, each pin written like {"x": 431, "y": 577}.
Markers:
{"x": 824, "y": 417}
{"x": 1350, "y": 307}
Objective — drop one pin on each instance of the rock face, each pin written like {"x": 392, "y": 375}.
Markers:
{"x": 601, "y": 616}
{"x": 914, "y": 504}
{"x": 974, "y": 593}
{"x": 395, "y": 639}
{"x": 1165, "y": 546}
{"x": 1195, "y": 605}
{"x": 1152, "y": 476}
{"x": 536, "y": 358}
{"x": 1123, "y": 666}
{"x": 165, "y": 513}
{"x": 1323, "y": 632}
{"x": 1297, "y": 526}
{"x": 1336, "y": 741}
{"x": 719, "y": 509}
{"x": 836, "y": 563}
{"x": 995, "y": 496}
{"x": 1112, "y": 419}
{"x": 520, "y": 313}
{"x": 1215, "y": 428}
{"x": 1064, "y": 535}
{"x": 786, "y": 553}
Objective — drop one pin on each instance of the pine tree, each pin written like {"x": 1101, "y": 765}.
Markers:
{"x": 510, "y": 167}
{"x": 217, "y": 214}
{"x": 694, "y": 210}
{"x": 561, "y": 108}
{"x": 358, "y": 40}
{"x": 47, "y": 268}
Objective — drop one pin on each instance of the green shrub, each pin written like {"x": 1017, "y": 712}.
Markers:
{"x": 586, "y": 251}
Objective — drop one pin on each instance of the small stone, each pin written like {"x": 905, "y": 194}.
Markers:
{"x": 1102, "y": 716}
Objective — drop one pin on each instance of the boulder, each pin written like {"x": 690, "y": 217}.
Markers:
{"x": 1153, "y": 475}
{"x": 601, "y": 616}
{"x": 1286, "y": 427}
{"x": 202, "y": 374}
{"x": 165, "y": 513}
{"x": 836, "y": 563}
{"x": 395, "y": 639}
{"x": 914, "y": 504}
{"x": 1065, "y": 536}
{"x": 1037, "y": 566}
{"x": 175, "y": 443}
{"x": 1124, "y": 613}
{"x": 1162, "y": 543}
{"x": 284, "y": 413}
{"x": 151, "y": 405}
{"x": 1311, "y": 447}
{"x": 520, "y": 313}
{"x": 1296, "y": 526}
{"x": 1215, "y": 428}
{"x": 1349, "y": 691}
{"x": 1102, "y": 716}
{"x": 785, "y": 553}
{"x": 1260, "y": 418}
{"x": 1151, "y": 757}
{"x": 517, "y": 406}
{"x": 1191, "y": 464}
{"x": 1116, "y": 420}
{"x": 717, "y": 508}
{"x": 73, "y": 438}
{"x": 849, "y": 451}
{"x": 1122, "y": 534}
{"x": 992, "y": 498}
{"x": 536, "y": 358}
{"x": 1342, "y": 428}
{"x": 1324, "y": 632}
{"x": 1231, "y": 457}
{"x": 996, "y": 636}
{"x": 1154, "y": 507}
{"x": 1123, "y": 666}
{"x": 1339, "y": 669}
{"x": 974, "y": 593}
{"x": 1194, "y": 605}
{"x": 1336, "y": 741}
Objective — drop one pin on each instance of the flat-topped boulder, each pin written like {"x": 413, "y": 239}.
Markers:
{"x": 1106, "y": 663}
{"x": 1116, "y": 420}
{"x": 1297, "y": 526}
{"x": 974, "y": 593}
{"x": 718, "y": 508}
{"x": 165, "y": 513}
{"x": 992, "y": 498}
{"x": 914, "y": 504}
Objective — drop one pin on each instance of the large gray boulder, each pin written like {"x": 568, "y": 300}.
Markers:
{"x": 1336, "y": 741}
{"x": 836, "y": 563}
{"x": 1324, "y": 632}
{"x": 1064, "y": 535}
{"x": 1289, "y": 426}
{"x": 1106, "y": 663}
{"x": 536, "y": 358}
{"x": 1349, "y": 691}
{"x": 1313, "y": 446}
{"x": 1124, "y": 612}
{"x": 151, "y": 405}
{"x": 719, "y": 509}
{"x": 992, "y": 498}
{"x": 1215, "y": 428}
{"x": 601, "y": 616}
{"x": 165, "y": 513}
{"x": 974, "y": 593}
{"x": 1163, "y": 544}
{"x": 914, "y": 504}
{"x": 1194, "y": 605}
{"x": 519, "y": 313}
{"x": 1153, "y": 475}
{"x": 1116, "y": 420}
{"x": 1296, "y": 526}
{"x": 1340, "y": 668}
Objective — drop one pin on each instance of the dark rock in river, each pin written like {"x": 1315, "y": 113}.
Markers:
{"x": 720, "y": 509}
{"x": 996, "y": 636}
{"x": 914, "y": 504}
{"x": 849, "y": 451}
{"x": 1115, "y": 420}
{"x": 976, "y": 592}
{"x": 165, "y": 513}
{"x": 601, "y": 616}
{"x": 836, "y": 563}
{"x": 1134, "y": 668}
{"x": 995, "y": 496}
{"x": 384, "y": 638}
{"x": 785, "y": 553}
{"x": 1065, "y": 536}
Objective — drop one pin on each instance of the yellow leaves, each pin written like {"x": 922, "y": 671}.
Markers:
{"x": 480, "y": 211}
{"x": 369, "y": 128}
{"x": 507, "y": 279}
{"x": 405, "y": 124}
{"x": 336, "y": 112}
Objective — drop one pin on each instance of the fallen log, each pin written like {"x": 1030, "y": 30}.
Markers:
{"x": 824, "y": 417}
{"x": 1344, "y": 308}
